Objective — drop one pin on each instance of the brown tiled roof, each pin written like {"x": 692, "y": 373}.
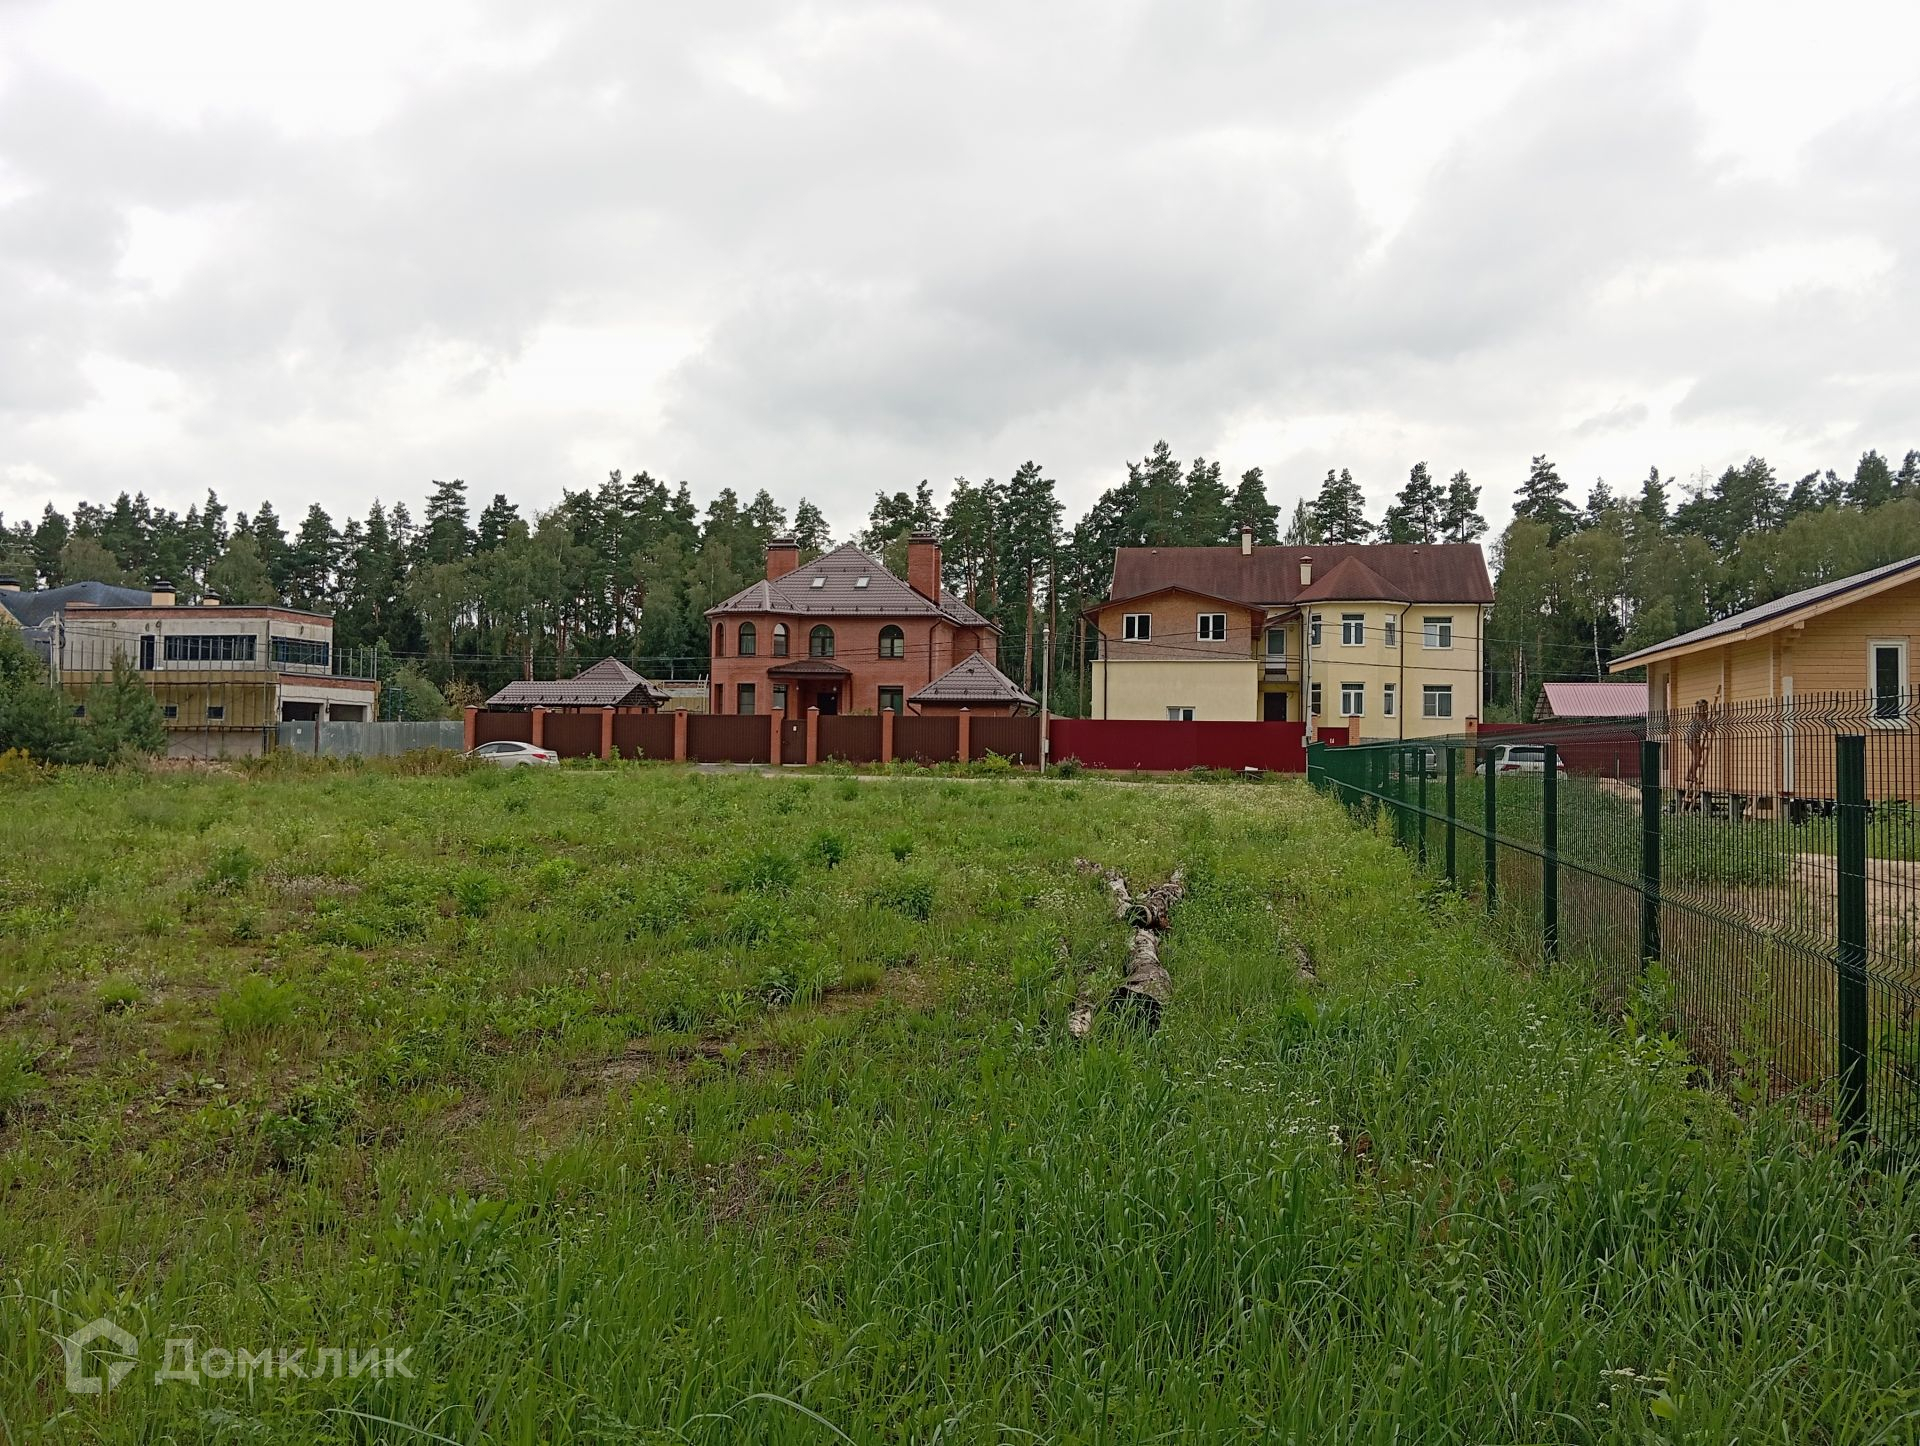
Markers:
{"x": 808, "y": 668}
{"x": 1270, "y": 576}
{"x": 973, "y": 681}
{"x": 842, "y": 594}
{"x": 1592, "y": 700}
{"x": 609, "y": 683}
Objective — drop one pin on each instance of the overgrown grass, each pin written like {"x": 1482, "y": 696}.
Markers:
{"x": 645, "y": 1105}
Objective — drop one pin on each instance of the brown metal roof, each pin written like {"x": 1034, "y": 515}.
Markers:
{"x": 1592, "y": 700}
{"x": 842, "y": 593}
{"x": 1270, "y": 576}
{"x": 609, "y": 683}
{"x": 973, "y": 681}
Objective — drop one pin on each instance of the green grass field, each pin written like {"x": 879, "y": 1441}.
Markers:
{"x": 641, "y": 1105}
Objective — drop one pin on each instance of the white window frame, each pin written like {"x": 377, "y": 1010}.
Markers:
{"x": 1387, "y": 691}
{"x": 1434, "y": 694}
{"x": 1390, "y": 632}
{"x": 1212, "y": 627}
{"x": 1179, "y": 713}
{"x": 1353, "y": 700}
{"x": 1353, "y": 630}
{"x": 1136, "y": 628}
{"x": 1313, "y": 631}
{"x": 1313, "y": 700}
{"x": 1276, "y": 635}
{"x": 1897, "y": 717}
{"x": 1437, "y": 627}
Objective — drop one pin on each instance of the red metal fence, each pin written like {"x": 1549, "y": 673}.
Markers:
{"x": 1592, "y": 750}
{"x": 1162, "y": 747}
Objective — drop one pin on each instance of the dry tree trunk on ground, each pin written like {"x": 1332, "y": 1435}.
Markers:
{"x": 1146, "y": 989}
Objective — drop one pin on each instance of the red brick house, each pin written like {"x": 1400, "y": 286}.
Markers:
{"x": 844, "y": 635}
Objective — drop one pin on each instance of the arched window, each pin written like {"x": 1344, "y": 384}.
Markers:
{"x": 820, "y": 642}
{"x": 748, "y": 643}
{"x": 893, "y": 642}
{"x": 719, "y": 640}
{"x": 779, "y": 640}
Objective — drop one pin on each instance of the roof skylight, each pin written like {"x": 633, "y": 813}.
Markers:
{"x": 819, "y": 582}
{"x": 860, "y": 581}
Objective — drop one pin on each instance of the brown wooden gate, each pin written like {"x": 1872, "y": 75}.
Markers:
{"x": 793, "y": 740}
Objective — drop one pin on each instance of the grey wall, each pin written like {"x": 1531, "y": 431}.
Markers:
{"x": 371, "y": 740}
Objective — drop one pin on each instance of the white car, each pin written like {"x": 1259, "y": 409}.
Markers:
{"x": 1522, "y": 758}
{"x": 506, "y": 754}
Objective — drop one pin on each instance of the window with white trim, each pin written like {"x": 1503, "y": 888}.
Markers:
{"x": 1313, "y": 631}
{"x": 1353, "y": 629}
{"x": 1276, "y": 642}
{"x": 1436, "y": 632}
{"x": 1436, "y": 700}
{"x": 1313, "y": 704}
{"x": 1353, "y": 699}
{"x": 1390, "y": 632}
{"x": 1387, "y": 692}
{"x": 1213, "y": 627}
{"x": 1179, "y": 713}
{"x": 1887, "y": 660}
{"x": 1137, "y": 627}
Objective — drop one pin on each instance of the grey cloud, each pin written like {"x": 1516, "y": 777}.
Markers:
{"x": 1615, "y": 419}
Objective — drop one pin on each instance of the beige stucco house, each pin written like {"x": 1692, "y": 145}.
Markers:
{"x": 1388, "y": 634}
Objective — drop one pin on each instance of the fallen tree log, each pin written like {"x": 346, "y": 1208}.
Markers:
{"x": 1146, "y": 989}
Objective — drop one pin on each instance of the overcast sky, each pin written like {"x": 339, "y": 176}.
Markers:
{"x": 331, "y": 252}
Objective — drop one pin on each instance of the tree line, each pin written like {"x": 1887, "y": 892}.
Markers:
{"x": 468, "y": 601}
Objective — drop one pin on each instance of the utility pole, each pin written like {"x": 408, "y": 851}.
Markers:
{"x": 1046, "y": 677}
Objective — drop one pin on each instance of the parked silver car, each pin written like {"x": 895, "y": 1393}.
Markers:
{"x": 506, "y": 754}
{"x": 1521, "y": 758}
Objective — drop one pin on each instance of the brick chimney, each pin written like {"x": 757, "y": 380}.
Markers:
{"x": 1306, "y": 569}
{"x": 783, "y": 556}
{"x": 923, "y": 564}
{"x": 209, "y": 599}
{"x": 162, "y": 592}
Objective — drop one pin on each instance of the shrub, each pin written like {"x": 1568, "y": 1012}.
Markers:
{"x": 1069, "y": 767}
{"x": 118, "y": 994}
{"x": 550, "y": 876}
{"x": 899, "y": 843}
{"x": 766, "y": 871}
{"x": 230, "y": 869}
{"x": 827, "y": 848}
{"x": 991, "y": 765}
{"x": 475, "y": 892}
{"x": 254, "y": 1007}
{"x": 908, "y": 894}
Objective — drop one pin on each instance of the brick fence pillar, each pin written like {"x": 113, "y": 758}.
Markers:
{"x": 774, "y": 720}
{"x": 472, "y": 739}
{"x": 886, "y": 735}
{"x": 606, "y": 733}
{"x": 539, "y": 739}
{"x": 966, "y": 736}
{"x": 813, "y": 736}
{"x": 1353, "y": 729}
{"x": 680, "y": 735}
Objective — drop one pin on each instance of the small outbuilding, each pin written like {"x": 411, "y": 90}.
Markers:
{"x": 976, "y": 685}
{"x": 1590, "y": 703}
{"x": 609, "y": 683}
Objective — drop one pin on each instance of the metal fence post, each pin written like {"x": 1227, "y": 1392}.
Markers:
{"x": 1492, "y": 822}
{"x": 1550, "y": 853}
{"x": 1420, "y": 819}
{"x": 1649, "y": 852}
{"x": 1452, "y": 796}
{"x": 1850, "y": 791}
